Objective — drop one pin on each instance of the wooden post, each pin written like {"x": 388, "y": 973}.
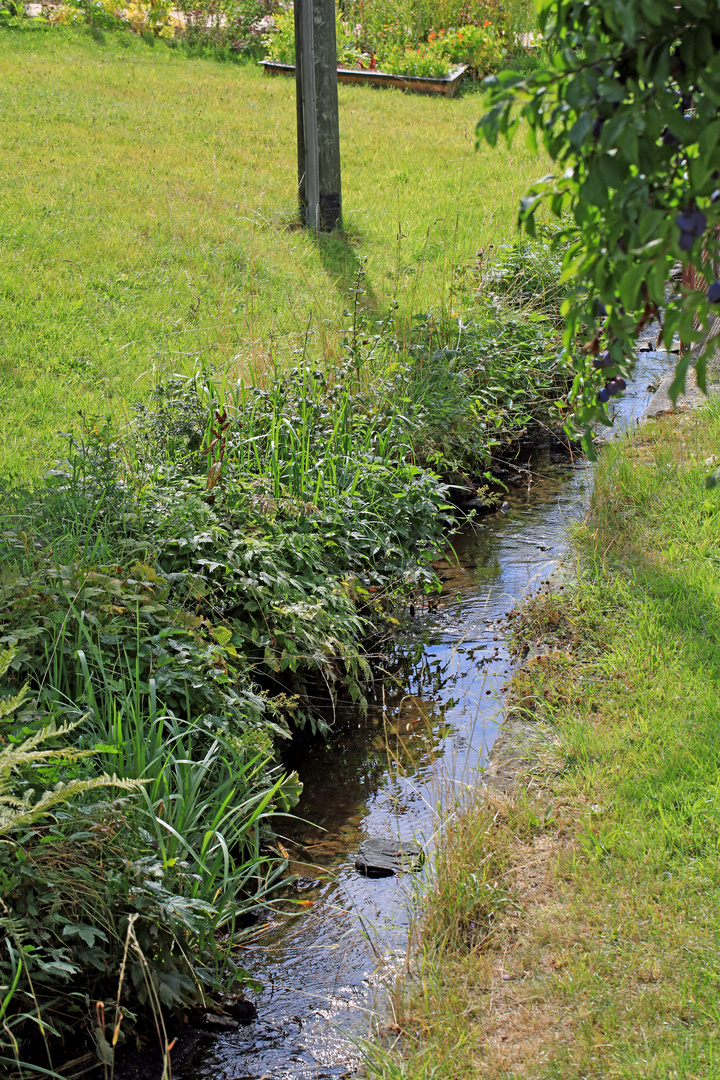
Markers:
{"x": 318, "y": 128}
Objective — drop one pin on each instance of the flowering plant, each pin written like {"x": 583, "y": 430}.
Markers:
{"x": 480, "y": 46}
{"x": 141, "y": 16}
{"x": 425, "y": 60}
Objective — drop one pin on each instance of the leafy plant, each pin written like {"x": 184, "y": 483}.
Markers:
{"x": 25, "y": 765}
{"x": 527, "y": 277}
{"x": 424, "y": 60}
{"x": 103, "y": 14}
{"x": 480, "y": 46}
{"x": 409, "y": 22}
{"x": 240, "y": 24}
{"x": 185, "y": 864}
{"x": 628, "y": 113}
{"x": 11, "y": 9}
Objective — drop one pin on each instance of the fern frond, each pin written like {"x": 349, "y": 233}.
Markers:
{"x": 6, "y": 659}
{"x": 19, "y": 817}
{"x": 15, "y": 812}
{"x": 50, "y": 731}
{"x": 9, "y": 705}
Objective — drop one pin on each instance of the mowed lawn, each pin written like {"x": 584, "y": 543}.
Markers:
{"x": 148, "y": 219}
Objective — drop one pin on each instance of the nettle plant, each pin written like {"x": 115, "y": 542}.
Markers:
{"x": 627, "y": 109}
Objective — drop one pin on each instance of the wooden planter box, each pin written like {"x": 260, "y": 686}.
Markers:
{"x": 420, "y": 84}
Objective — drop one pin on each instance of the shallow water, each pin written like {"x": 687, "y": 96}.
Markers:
{"x": 385, "y": 775}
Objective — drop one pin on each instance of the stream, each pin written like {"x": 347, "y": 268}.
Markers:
{"x": 323, "y": 970}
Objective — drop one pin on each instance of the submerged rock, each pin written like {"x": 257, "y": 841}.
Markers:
{"x": 475, "y": 504}
{"x": 240, "y": 1009}
{"x": 381, "y": 858}
{"x": 219, "y": 1022}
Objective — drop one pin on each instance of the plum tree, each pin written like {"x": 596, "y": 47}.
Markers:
{"x": 627, "y": 107}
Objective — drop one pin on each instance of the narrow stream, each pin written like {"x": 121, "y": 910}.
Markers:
{"x": 385, "y": 775}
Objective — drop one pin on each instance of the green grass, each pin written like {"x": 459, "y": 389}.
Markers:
{"x": 148, "y": 218}
{"x": 602, "y": 961}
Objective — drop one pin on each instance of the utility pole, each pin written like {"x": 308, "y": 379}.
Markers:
{"x": 318, "y": 128}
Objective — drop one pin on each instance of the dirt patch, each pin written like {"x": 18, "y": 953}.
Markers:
{"x": 522, "y": 1020}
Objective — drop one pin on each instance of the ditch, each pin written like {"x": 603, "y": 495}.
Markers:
{"x": 323, "y": 971}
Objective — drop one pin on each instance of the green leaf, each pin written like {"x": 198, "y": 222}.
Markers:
{"x": 223, "y": 635}
{"x": 579, "y": 131}
{"x": 629, "y": 285}
{"x": 677, "y": 386}
{"x": 593, "y": 189}
{"x": 86, "y": 933}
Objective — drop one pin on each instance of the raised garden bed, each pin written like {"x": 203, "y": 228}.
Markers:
{"x": 420, "y": 84}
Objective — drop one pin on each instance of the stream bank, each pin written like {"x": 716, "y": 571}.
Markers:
{"x": 325, "y": 970}
{"x": 597, "y": 954}
{"x": 183, "y": 593}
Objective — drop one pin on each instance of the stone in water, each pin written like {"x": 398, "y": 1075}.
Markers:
{"x": 381, "y": 858}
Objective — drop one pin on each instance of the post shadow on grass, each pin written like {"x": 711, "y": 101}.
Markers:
{"x": 344, "y": 266}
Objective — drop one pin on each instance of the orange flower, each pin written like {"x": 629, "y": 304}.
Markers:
{"x": 432, "y": 35}
{"x": 486, "y": 23}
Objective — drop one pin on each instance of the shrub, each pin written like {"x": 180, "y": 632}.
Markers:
{"x": 480, "y": 47}
{"x": 155, "y": 17}
{"x": 237, "y": 23}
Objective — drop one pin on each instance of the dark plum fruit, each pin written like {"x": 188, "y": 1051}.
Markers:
{"x": 597, "y": 127}
{"x": 713, "y": 293}
{"x": 692, "y": 221}
{"x": 602, "y": 310}
{"x": 603, "y": 395}
{"x": 621, "y": 382}
{"x": 686, "y": 241}
{"x": 700, "y": 222}
{"x": 612, "y": 387}
{"x": 669, "y": 139}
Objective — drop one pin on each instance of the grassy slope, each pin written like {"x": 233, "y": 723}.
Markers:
{"x": 146, "y": 220}
{"x": 581, "y": 919}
